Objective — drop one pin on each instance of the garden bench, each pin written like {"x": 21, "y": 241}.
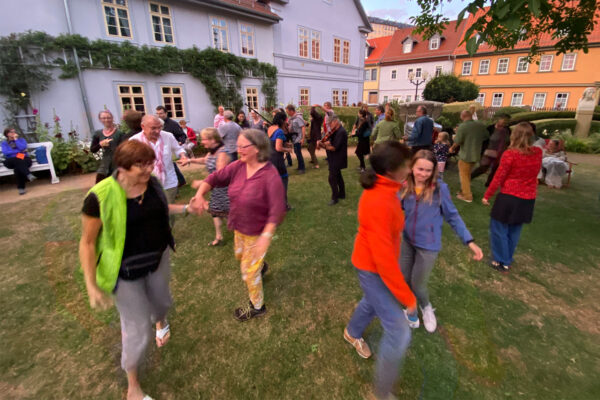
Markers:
{"x": 35, "y": 166}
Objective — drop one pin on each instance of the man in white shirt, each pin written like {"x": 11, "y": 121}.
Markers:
{"x": 165, "y": 147}
{"x": 219, "y": 118}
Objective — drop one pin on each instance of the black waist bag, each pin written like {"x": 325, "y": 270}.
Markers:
{"x": 139, "y": 265}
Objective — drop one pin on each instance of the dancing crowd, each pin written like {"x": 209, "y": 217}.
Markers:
{"x": 128, "y": 214}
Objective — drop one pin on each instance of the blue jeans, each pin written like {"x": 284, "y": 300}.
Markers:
{"x": 504, "y": 239}
{"x": 379, "y": 301}
{"x": 299, "y": 157}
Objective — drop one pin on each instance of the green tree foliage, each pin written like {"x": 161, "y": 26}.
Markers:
{"x": 503, "y": 23}
{"x": 448, "y": 88}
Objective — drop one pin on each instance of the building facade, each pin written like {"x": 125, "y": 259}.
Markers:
{"x": 384, "y": 27}
{"x": 376, "y": 48}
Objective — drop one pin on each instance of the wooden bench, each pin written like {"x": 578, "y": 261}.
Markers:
{"x": 36, "y": 166}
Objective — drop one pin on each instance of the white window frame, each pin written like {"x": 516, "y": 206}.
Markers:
{"x": 385, "y": 99}
{"x": 480, "y": 99}
{"x": 549, "y": 69}
{"x": 408, "y": 72}
{"x": 522, "y": 62}
{"x": 394, "y": 74}
{"x": 168, "y": 100}
{"x": 249, "y": 38}
{"x": 535, "y": 106}
{"x": 335, "y": 97}
{"x": 374, "y": 74}
{"x": 303, "y": 33}
{"x": 252, "y": 92}
{"x": 562, "y": 65}
{"x": 464, "y": 65}
{"x": 223, "y": 34}
{"x": 116, "y": 7}
{"x": 346, "y": 52}
{"x": 367, "y": 74}
{"x": 408, "y": 98}
{"x": 407, "y": 46}
{"x": 507, "y": 65}
{"x": 481, "y": 64}
{"x": 130, "y": 95}
{"x": 566, "y": 100}
{"x": 337, "y": 50}
{"x": 497, "y": 96}
{"x": 162, "y": 17}
{"x": 344, "y": 96}
{"x": 434, "y": 40}
{"x": 300, "y": 94}
{"x": 418, "y": 73}
{"x": 439, "y": 70}
{"x": 514, "y": 96}
{"x": 315, "y": 38}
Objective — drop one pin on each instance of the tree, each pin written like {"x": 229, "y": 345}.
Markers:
{"x": 447, "y": 88}
{"x": 503, "y": 23}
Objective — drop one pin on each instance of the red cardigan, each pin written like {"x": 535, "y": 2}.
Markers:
{"x": 377, "y": 244}
{"x": 517, "y": 174}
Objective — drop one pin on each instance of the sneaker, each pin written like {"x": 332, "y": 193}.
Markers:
{"x": 22, "y": 192}
{"x": 362, "y": 348}
{"x": 429, "y": 318}
{"x": 463, "y": 198}
{"x": 243, "y": 314}
{"x": 498, "y": 266}
{"x": 413, "y": 321}
{"x": 31, "y": 177}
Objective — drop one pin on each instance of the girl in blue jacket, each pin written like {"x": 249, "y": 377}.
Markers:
{"x": 427, "y": 203}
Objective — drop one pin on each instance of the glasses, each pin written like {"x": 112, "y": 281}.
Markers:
{"x": 142, "y": 165}
{"x": 244, "y": 147}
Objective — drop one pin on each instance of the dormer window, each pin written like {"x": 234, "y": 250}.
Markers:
{"x": 407, "y": 47}
{"x": 434, "y": 43}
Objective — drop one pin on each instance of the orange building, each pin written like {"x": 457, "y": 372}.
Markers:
{"x": 506, "y": 78}
{"x": 375, "y": 50}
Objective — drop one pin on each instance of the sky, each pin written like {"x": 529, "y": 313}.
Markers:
{"x": 402, "y": 10}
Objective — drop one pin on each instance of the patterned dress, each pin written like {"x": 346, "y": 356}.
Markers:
{"x": 219, "y": 200}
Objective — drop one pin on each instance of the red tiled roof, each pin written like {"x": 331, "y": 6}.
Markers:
{"x": 394, "y": 53}
{"x": 546, "y": 39}
{"x": 256, "y": 6}
{"x": 379, "y": 45}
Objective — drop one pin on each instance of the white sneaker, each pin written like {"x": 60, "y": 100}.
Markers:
{"x": 429, "y": 318}
{"x": 412, "y": 323}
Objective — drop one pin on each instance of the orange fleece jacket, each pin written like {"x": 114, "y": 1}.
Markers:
{"x": 377, "y": 244}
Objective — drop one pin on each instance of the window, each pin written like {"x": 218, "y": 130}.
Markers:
{"x": 484, "y": 67}
{"x": 373, "y": 98}
{"x": 394, "y": 73}
{"x": 316, "y": 45}
{"x": 568, "y": 63}
{"x": 335, "y": 97}
{"x": 367, "y": 74}
{"x": 480, "y": 98}
{"x": 497, "y": 99}
{"x": 502, "y": 66}
{"x": 466, "y": 67}
{"x": 409, "y": 73}
{"x": 408, "y": 98}
{"x": 132, "y": 97}
{"x": 546, "y": 63}
{"x": 252, "y": 97}
{"x": 407, "y": 47}
{"x": 434, "y": 43}
{"x": 304, "y": 96}
{"x": 303, "y": 42}
{"x": 374, "y": 74}
{"x": 385, "y": 100}
{"x": 162, "y": 26}
{"x": 419, "y": 73}
{"x": 517, "y": 99}
{"x": 337, "y": 43}
{"x": 438, "y": 70}
{"x": 344, "y": 98}
{"x": 522, "y": 64}
{"x": 346, "y": 52}
{"x": 219, "y": 33}
{"x": 172, "y": 99}
{"x": 560, "y": 101}
{"x": 247, "y": 39}
{"x": 539, "y": 101}
{"x": 116, "y": 18}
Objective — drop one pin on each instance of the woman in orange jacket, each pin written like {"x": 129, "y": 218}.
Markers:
{"x": 375, "y": 256}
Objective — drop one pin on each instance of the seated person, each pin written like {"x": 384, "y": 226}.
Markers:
{"x": 554, "y": 165}
{"x": 17, "y": 158}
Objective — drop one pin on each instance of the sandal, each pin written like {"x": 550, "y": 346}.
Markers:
{"x": 498, "y": 266}
{"x": 163, "y": 335}
{"x": 216, "y": 242}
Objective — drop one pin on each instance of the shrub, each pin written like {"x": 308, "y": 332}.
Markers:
{"x": 458, "y": 106}
{"x": 511, "y": 110}
{"x": 553, "y": 125}
{"x": 590, "y": 145}
{"x": 540, "y": 115}
{"x": 447, "y": 88}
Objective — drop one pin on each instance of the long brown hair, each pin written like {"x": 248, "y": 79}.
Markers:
{"x": 430, "y": 184}
{"x": 520, "y": 136}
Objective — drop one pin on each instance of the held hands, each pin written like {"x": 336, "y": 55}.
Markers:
{"x": 198, "y": 205}
{"x": 477, "y": 253}
{"x": 98, "y": 299}
{"x": 183, "y": 161}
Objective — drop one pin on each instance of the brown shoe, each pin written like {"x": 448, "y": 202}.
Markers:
{"x": 362, "y": 348}
{"x": 463, "y": 198}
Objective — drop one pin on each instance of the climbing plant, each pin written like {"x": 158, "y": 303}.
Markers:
{"x": 32, "y": 55}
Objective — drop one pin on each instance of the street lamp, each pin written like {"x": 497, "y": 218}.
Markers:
{"x": 412, "y": 78}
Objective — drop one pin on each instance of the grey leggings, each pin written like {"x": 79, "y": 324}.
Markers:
{"x": 416, "y": 265}
{"x": 141, "y": 303}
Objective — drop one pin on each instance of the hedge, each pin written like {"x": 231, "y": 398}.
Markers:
{"x": 552, "y": 125}
{"x": 539, "y": 115}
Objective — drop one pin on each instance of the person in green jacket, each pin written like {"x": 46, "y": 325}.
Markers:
{"x": 388, "y": 129}
{"x": 470, "y": 136}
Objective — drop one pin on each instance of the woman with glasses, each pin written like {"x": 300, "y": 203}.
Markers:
{"x": 256, "y": 207}
{"x": 17, "y": 158}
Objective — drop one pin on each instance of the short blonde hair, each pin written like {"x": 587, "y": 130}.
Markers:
{"x": 211, "y": 134}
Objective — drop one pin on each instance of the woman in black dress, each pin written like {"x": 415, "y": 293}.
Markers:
{"x": 362, "y": 130}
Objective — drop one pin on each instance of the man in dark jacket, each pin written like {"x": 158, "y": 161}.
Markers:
{"x": 421, "y": 136}
{"x": 172, "y": 127}
{"x": 337, "y": 156}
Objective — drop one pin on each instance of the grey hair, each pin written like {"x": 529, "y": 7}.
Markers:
{"x": 261, "y": 141}
{"x": 228, "y": 114}
{"x": 423, "y": 109}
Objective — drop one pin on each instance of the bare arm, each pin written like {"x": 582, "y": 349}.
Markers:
{"x": 280, "y": 147}
{"x": 222, "y": 160}
{"x": 87, "y": 256}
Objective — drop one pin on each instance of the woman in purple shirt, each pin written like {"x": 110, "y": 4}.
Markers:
{"x": 256, "y": 207}
{"x": 16, "y": 157}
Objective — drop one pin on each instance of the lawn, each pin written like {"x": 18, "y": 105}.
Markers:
{"x": 532, "y": 334}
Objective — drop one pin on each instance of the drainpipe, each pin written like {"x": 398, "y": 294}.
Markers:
{"x": 84, "y": 97}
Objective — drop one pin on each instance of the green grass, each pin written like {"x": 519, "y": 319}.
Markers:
{"x": 533, "y": 334}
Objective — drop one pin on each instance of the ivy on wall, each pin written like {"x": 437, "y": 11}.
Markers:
{"x": 26, "y": 60}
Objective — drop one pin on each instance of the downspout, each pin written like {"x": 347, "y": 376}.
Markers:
{"x": 84, "y": 97}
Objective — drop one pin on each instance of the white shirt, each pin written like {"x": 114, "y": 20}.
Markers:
{"x": 170, "y": 148}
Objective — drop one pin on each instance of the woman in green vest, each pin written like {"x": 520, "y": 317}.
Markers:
{"x": 124, "y": 253}
{"x": 388, "y": 129}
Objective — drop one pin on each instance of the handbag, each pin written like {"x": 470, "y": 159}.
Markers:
{"x": 139, "y": 265}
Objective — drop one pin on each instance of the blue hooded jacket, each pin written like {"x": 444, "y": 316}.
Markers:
{"x": 423, "y": 221}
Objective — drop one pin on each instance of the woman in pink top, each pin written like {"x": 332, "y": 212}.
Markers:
{"x": 256, "y": 207}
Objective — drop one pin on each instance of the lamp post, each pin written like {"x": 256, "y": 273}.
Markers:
{"x": 412, "y": 78}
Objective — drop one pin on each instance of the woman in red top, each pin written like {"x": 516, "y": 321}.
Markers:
{"x": 517, "y": 178}
{"x": 375, "y": 256}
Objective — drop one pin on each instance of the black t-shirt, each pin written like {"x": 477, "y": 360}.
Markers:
{"x": 147, "y": 228}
